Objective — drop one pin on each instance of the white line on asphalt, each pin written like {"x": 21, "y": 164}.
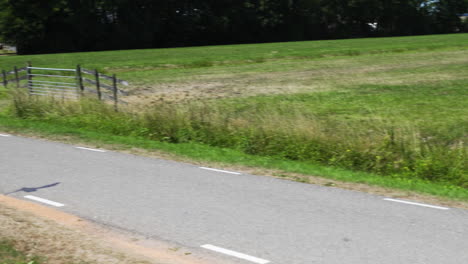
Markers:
{"x": 419, "y": 204}
{"x": 5, "y": 135}
{"x": 91, "y": 149}
{"x": 230, "y": 172}
{"x": 49, "y": 202}
{"x": 235, "y": 254}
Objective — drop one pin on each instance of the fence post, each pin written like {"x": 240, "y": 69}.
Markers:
{"x": 114, "y": 88}
{"x": 28, "y": 70}
{"x": 79, "y": 79}
{"x": 98, "y": 84}
{"x": 5, "y": 82}
{"x": 16, "y": 77}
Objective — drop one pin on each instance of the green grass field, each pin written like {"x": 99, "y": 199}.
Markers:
{"x": 394, "y": 107}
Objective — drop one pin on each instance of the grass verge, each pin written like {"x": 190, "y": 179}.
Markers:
{"x": 197, "y": 153}
{"x": 9, "y": 255}
{"x": 280, "y": 128}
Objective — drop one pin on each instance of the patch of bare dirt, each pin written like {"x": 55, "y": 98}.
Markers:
{"x": 62, "y": 238}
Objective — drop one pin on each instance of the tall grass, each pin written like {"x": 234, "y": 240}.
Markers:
{"x": 375, "y": 145}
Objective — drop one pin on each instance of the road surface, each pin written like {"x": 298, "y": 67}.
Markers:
{"x": 237, "y": 218}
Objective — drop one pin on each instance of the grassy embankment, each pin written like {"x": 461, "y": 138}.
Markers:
{"x": 393, "y": 107}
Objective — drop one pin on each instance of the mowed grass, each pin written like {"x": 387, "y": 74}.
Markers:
{"x": 435, "y": 109}
{"x": 393, "y": 107}
{"x": 195, "y": 57}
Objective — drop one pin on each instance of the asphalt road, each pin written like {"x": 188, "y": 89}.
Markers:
{"x": 254, "y": 219}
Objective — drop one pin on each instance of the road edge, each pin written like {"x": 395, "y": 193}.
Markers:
{"x": 135, "y": 247}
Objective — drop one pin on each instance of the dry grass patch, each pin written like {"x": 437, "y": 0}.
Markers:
{"x": 289, "y": 76}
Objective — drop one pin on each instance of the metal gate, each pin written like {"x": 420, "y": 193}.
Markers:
{"x": 64, "y": 83}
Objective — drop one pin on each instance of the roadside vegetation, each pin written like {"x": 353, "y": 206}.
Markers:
{"x": 9, "y": 255}
{"x": 394, "y": 108}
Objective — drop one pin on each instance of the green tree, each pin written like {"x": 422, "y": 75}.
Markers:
{"x": 80, "y": 25}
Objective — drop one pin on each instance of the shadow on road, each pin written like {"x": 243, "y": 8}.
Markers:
{"x": 33, "y": 189}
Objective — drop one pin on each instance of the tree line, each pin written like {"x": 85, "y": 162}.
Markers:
{"x": 85, "y": 25}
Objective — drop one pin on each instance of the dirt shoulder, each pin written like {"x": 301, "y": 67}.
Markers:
{"x": 62, "y": 238}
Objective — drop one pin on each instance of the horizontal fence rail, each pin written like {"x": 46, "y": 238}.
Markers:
{"x": 65, "y": 83}
{"x": 17, "y": 70}
{"x": 17, "y": 78}
{"x": 52, "y": 75}
{"x": 51, "y": 69}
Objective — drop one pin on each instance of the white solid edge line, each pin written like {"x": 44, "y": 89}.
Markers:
{"x": 5, "y": 135}
{"x": 419, "y": 204}
{"x": 230, "y": 172}
{"x": 91, "y": 149}
{"x": 49, "y": 202}
{"x": 236, "y": 254}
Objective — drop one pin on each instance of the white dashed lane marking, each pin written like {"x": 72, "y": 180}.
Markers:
{"x": 236, "y": 254}
{"x": 5, "y": 135}
{"x": 418, "y": 204}
{"x": 42, "y": 200}
{"x": 91, "y": 149}
{"x": 224, "y": 171}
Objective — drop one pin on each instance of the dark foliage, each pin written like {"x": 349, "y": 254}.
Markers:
{"x": 65, "y": 26}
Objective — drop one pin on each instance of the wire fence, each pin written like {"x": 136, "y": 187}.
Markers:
{"x": 65, "y": 83}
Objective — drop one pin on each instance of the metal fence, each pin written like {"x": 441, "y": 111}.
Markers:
{"x": 66, "y": 83}
{"x": 53, "y": 82}
{"x": 16, "y": 76}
